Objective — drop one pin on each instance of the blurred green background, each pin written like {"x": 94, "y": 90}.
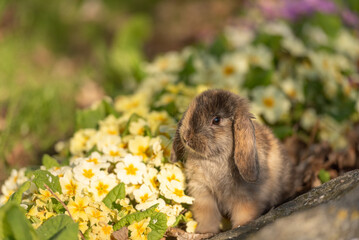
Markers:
{"x": 61, "y": 55}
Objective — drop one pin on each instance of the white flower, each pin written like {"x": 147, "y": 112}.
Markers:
{"x": 169, "y": 62}
{"x": 277, "y": 28}
{"x": 295, "y": 46}
{"x": 316, "y": 35}
{"x": 102, "y": 185}
{"x": 347, "y": 43}
{"x": 293, "y": 89}
{"x": 174, "y": 190}
{"x": 308, "y": 119}
{"x": 232, "y": 68}
{"x": 130, "y": 170}
{"x": 270, "y": 102}
{"x": 259, "y": 56}
{"x": 239, "y": 36}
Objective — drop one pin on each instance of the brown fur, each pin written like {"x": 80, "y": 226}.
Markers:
{"x": 235, "y": 169}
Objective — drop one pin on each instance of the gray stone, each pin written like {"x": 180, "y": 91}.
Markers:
{"x": 330, "y": 211}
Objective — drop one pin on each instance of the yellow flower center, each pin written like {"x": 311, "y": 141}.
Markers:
{"x": 112, "y": 132}
{"x": 173, "y": 177}
{"x": 102, "y": 188}
{"x": 144, "y": 198}
{"x": 114, "y": 153}
{"x": 268, "y": 102}
{"x": 107, "y": 229}
{"x": 142, "y": 151}
{"x": 154, "y": 182}
{"x": 94, "y": 160}
{"x": 88, "y": 173}
{"x": 228, "y": 70}
{"x": 131, "y": 170}
{"x": 71, "y": 188}
{"x": 292, "y": 93}
{"x": 79, "y": 207}
{"x": 179, "y": 192}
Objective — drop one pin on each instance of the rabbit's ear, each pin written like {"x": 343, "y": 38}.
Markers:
{"x": 178, "y": 150}
{"x": 245, "y": 151}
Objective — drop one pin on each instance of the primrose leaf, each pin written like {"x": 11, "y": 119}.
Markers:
{"x": 45, "y": 177}
{"x": 60, "y": 227}
{"x": 17, "y": 196}
{"x": 117, "y": 192}
{"x": 134, "y": 217}
{"x": 14, "y": 224}
{"x": 158, "y": 225}
{"x": 89, "y": 118}
{"x": 49, "y": 162}
{"x": 324, "y": 176}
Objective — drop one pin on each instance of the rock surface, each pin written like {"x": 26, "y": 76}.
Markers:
{"x": 330, "y": 211}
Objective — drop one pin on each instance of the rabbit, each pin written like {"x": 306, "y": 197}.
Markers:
{"x": 234, "y": 166}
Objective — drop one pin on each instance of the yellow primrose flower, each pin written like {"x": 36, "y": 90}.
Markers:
{"x": 139, "y": 146}
{"x": 78, "y": 207}
{"x": 144, "y": 194}
{"x": 172, "y": 212}
{"x": 130, "y": 170}
{"x": 95, "y": 215}
{"x": 86, "y": 172}
{"x": 171, "y": 173}
{"x": 150, "y": 179}
{"x": 69, "y": 185}
{"x": 110, "y": 125}
{"x": 44, "y": 195}
{"x": 78, "y": 143}
{"x": 132, "y": 104}
{"x": 191, "y": 226}
{"x": 155, "y": 119}
{"x": 140, "y": 230}
{"x": 174, "y": 190}
{"x": 138, "y": 127}
{"x": 102, "y": 185}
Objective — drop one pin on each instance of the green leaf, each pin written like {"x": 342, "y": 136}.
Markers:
{"x": 134, "y": 217}
{"x": 49, "y": 162}
{"x": 187, "y": 71}
{"x": 89, "y": 118}
{"x": 134, "y": 117}
{"x": 330, "y": 23}
{"x": 258, "y": 77}
{"x": 148, "y": 131}
{"x": 45, "y": 177}
{"x": 219, "y": 46}
{"x": 324, "y": 176}
{"x": 117, "y": 192}
{"x": 283, "y": 131}
{"x": 16, "y": 197}
{"x": 178, "y": 220}
{"x": 109, "y": 108}
{"x": 14, "y": 224}
{"x": 60, "y": 227}
{"x": 271, "y": 41}
{"x": 158, "y": 225}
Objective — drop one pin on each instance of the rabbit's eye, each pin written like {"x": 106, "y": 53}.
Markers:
{"x": 216, "y": 120}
